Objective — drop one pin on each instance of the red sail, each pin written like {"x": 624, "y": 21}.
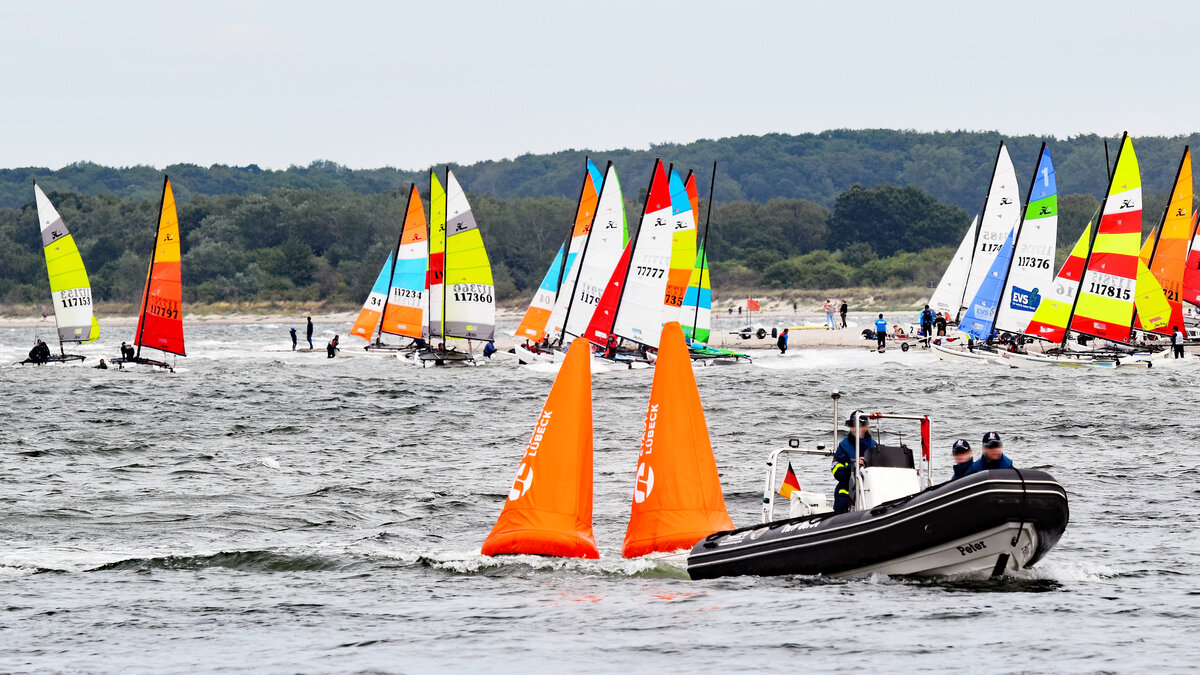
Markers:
{"x": 160, "y": 322}
{"x": 606, "y": 310}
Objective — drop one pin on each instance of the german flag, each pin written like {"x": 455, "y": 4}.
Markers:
{"x": 790, "y": 483}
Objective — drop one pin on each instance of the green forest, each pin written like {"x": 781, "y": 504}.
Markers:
{"x": 830, "y": 210}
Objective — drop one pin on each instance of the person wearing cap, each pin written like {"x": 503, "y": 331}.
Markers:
{"x": 993, "y": 455}
{"x": 843, "y": 458}
{"x": 963, "y": 458}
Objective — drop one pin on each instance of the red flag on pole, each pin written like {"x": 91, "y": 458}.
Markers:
{"x": 752, "y": 305}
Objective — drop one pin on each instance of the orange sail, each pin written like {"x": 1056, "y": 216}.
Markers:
{"x": 549, "y": 508}
{"x": 404, "y": 312}
{"x": 677, "y": 498}
{"x": 1169, "y": 253}
{"x": 160, "y": 321}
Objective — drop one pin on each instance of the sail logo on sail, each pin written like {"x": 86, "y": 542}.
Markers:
{"x": 522, "y": 484}
{"x": 644, "y": 484}
{"x": 1024, "y": 300}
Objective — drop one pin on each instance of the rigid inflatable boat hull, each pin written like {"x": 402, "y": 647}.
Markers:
{"x": 991, "y": 521}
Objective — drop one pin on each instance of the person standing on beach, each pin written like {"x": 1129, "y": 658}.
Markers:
{"x": 842, "y": 310}
{"x": 310, "y": 329}
{"x": 782, "y": 341}
{"x": 829, "y": 325}
{"x": 881, "y": 332}
{"x": 293, "y": 338}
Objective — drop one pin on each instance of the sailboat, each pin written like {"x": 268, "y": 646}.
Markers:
{"x": 70, "y": 292}
{"x": 462, "y": 293}
{"x": 160, "y": 320}
{"x": 1113, "y": 282}
{"x": 397, "y": 301}
{"x": 543, "y": 321}
{"x": 999, "y": 216}
{"x": 677, "y": 497}
{"x": 1166, "y": 250}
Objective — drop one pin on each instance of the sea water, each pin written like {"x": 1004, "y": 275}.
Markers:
{"x": 273, "y": 511}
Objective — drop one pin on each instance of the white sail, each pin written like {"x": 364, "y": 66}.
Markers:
{"x": 579, "y": 237}
{"x": 640, "y": 312}
{"x": 69, "y": 287}
{"x": 948, "y": 297}
{"x": 1001, "y": 212}
{"x": 1031, "y": 271}
{"x": 601, "y": 253}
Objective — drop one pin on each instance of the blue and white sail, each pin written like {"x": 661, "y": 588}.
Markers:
{"x": 980, "y": 318}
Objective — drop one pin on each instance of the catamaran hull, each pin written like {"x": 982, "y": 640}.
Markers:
{"x": 60, "y": 359}
{"x": 992, "y": 521}
{"x": 952, "y": 354}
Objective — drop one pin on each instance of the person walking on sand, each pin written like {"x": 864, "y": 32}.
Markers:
{"x": 829, "y": 325}
{"x": 842, "y": 310}
{"x": 310, "y": 329}
{"x": 293, "y": 338}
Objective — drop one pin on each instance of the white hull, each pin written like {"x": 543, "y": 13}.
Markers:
{"x": 953, "y": 354}
{"x": 976, "y": 553}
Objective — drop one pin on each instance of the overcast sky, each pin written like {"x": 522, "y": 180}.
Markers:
{"x": 410, "y": 84}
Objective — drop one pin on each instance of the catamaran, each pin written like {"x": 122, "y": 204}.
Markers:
{"x": 462, "y": 295}
{"x": 69, "y": 288}
{"x": 160, "y": 321}
{"x": 398, "y": 300}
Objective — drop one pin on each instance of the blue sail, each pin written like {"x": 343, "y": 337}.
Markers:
{"x": 981, "y": 312}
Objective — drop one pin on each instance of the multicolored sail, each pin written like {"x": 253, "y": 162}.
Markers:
{"x": 948, "y": 296}
{"x": 69, "y": 287}
{"x": 1104, "y": 308}
{"x": 683, "y": 246}
{"x": 160, "y": 321}
{"x": 697, "y": 301}
{"x": 470, "y": 296}
{"x": 603, "y": 249}
{"x": 1170, "y": 253}
{"x": 1031, "y": 271}
{"x": 1001, "y": 212}
{"x": 372, "y": 310}
{"x": 404, "y": 312}
{"x": 436, "y": 272}
{"x": 639, "y": 314}
{"x": 585, "y": 215}
{"x": 980, "y": 319}
{"x": 1050, "y": 320}
{"x": 601, "y": 325}
{"x": 533, "y": 324}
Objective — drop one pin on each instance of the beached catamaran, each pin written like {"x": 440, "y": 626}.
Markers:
{"x": 160, "y": 321}
{"x": 397, "y": 302}
{"x": 69, "y": 288}
{"x": 462, "y": 296}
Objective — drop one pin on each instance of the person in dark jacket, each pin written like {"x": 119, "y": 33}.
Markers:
{"x": 881, "y": 327}
{"x": 488, "y": 350}
{"x": 610, "y": 347}
{"x": 927, "y": 317}
{"x": 993, "y": 455}
{"x": 310, "y": 330}
{"x": 331, "y": 349}
{"x": 102, "y": 366}
{"x": 963, "y": 458}
{"x": 782, "y": 341}
{"x": 939, "y": 324}
{"x": 293, "y": 339}
{"x": 843, "y": 310}
{"x": 40, "y": 353}
{"x": 843, "y": 458}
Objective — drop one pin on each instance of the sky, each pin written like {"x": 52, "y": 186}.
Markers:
{"x": 411, "y": 84}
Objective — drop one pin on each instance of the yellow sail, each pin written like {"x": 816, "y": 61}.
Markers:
{"x": 1153, "y": 310}
{"x": 437, "y": 253}
{"x": 69, "y": 287}
{"x": 1170, "y": 251}
{"x": 470, "y": 296}
{"x": 1148, "y": 247}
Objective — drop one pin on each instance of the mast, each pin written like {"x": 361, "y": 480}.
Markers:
{"x": 982, "y": 216}
{"x": 392, "y": 275}
{"x": 633, "y": 245}
{"x": 1017, "y": 234}
{"x": 1092, "y": 239}
{"x": 583, "y": 254}
{"x": 445, "y": 252}
{"x": 704, "y": 248}
{"x": 150, "y": 274}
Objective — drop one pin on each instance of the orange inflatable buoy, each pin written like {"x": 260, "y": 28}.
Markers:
{"x": 549, "y": 508}
{"x": 677, "y": 499}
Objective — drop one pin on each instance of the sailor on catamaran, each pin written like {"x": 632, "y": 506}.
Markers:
{"x": 843, "y": 457}
{"x": 993, "y": 455}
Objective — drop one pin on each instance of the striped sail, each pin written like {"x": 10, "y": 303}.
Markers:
{"x": 980, "y": 319}
{"x": 683, "y": 247}
{"x": 1147, "y": 250}
{"x": 697, "y": 301}
{"x": 160, "y": 321}
{"x": 585, "y": 214}
{"x": 1031, "y": 271}
{"x": 1001, "y": 211}
{"x": 1049, "y": 321}
{"x": 639, "y": 313}
{"x": 1170, "y": 252}
{"x": 470, "y": 296}
{"x": 1104, "y": 308}
{"x": 533, "y": 324}
{"x": 602, "y": 251}
{"x": 948, "y": 297}
{"x": 601, "y": 326}
{"x": 437, "y": 254}
{"x": 69, "y": 287}
{"x": 404, "y": 313}
{"x": 368, "y": 317}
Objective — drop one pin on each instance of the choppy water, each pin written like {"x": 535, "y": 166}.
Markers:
{"x": 285, "y": 512}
